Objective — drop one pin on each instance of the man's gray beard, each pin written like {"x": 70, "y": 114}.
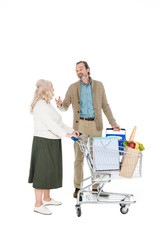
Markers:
{"x": 82, "y": 78}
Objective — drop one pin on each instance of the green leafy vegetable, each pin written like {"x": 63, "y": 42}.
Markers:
{"x": 125, "y": 143}
{"x": 141, "y": 147}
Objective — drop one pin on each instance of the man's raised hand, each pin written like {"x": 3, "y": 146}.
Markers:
{"x": 59, "y": 101}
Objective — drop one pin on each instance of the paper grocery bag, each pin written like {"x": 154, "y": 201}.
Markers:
{"x": 129, "y": 162}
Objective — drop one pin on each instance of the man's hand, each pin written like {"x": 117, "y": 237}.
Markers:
{"x": 59, "y": 101}
{"x": 116, "y": 128}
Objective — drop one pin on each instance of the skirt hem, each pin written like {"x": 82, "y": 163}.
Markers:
{"x": 46, "y": 187}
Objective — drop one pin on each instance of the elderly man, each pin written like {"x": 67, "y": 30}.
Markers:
{"x": 88, "y": 99}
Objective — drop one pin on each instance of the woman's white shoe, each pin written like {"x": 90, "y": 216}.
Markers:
{"x": 43, "y": 210}
{"x": 51, "y": 202}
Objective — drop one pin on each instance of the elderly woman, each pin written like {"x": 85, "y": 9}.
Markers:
{"x": 46, "y": 158}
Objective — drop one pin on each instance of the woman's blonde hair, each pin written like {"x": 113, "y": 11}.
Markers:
{"x": 43, "y": 91}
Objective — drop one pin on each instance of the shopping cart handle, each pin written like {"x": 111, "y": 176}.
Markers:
{"x": 123, "y": 129}
{"x": 76, "y": 139}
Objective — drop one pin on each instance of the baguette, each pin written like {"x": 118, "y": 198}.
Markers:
{"x": 133, "y": 134}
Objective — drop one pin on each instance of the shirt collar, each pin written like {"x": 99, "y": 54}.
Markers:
{"x": 90, "y": 82}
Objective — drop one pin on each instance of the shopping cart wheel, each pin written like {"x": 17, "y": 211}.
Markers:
{"x": 78, "y": 210}
{"x": 124, "y": 209}
{"x": 122, "y": 204}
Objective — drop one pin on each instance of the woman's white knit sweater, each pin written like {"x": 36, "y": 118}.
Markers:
{"x": 48, "y": 122}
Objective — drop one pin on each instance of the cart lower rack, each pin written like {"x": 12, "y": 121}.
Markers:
{"x": 106, "y": 164}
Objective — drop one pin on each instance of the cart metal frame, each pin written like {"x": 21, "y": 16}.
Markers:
{"x": 87, "y": 196}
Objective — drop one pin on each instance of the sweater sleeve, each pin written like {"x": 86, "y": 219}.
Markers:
{"x": 68, "y": 129}
{"x": 106, "y": 108}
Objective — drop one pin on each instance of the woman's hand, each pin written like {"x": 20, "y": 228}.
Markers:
{"x": 73, "y": 134}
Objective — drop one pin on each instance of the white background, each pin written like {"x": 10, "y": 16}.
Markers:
{"x": 44, "y": 39}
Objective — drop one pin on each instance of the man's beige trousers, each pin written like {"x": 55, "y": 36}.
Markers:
{"x": 88, "y": 128}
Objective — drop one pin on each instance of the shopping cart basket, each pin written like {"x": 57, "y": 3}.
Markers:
{"x": 107, "y": 173}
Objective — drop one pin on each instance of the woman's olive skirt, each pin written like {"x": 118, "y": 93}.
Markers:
{"x": 46, "y": 163}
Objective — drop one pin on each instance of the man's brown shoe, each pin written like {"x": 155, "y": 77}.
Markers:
{"x": 76, "y": 192}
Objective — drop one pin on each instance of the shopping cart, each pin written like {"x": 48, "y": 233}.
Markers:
{"x": 101, "y": 176}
